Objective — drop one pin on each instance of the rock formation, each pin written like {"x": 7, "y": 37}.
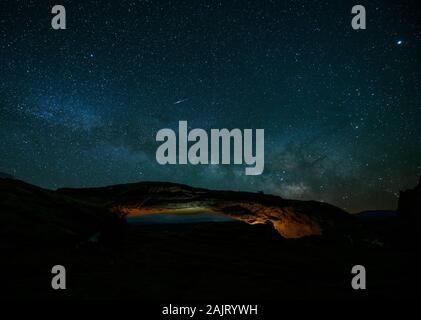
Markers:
{"x": 291, "y": 218}
{"x": 32, "y": 214}
{"x": 81, "y": 212}
{"x": 6, "y": 176}
{"x": 409, "y": 203}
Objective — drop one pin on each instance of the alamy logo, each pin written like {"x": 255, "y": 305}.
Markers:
{"x": 59, "y": 280}
{"x": 59, "y": 20}
{"x": 359, "y": 20}
{"x": 358, "y": 281}
{"x": 219, "y": 150}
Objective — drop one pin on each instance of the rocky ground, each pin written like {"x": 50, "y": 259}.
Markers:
{"x": 106, "y": 258}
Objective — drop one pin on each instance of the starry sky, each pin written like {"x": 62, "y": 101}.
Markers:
{"x": 341, "y": 108}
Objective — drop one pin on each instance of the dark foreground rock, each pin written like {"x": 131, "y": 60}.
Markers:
{"x": 224, "y": 261}
{"x": 107, "y": 259}
{"x": 409, "y": 204}
{"x": 29, "y": 214}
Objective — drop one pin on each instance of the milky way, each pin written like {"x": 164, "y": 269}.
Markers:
{"x": 341, "y": 108}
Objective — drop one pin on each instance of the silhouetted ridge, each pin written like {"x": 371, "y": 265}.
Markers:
{"x": 409, "y": 203}
{"x": 6, "y": 176}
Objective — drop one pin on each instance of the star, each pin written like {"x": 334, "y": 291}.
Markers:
{"x": 94, "y": 121}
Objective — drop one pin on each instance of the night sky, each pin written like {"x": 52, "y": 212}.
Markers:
{"x": 341, "y": 108}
